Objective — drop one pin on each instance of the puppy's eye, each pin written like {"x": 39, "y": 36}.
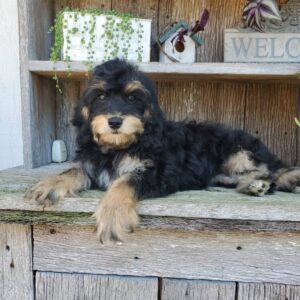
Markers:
{"x": 131, "y": 99}
{"x": 101, "y": 97}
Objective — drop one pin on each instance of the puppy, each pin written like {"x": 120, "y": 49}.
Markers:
{"x": 128, "y": 148}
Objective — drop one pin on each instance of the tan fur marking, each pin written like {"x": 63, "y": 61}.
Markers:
{"x": 116, "y": 213}
{"x": 132, "y": 125}
{"x": 147, "y": 113}
{"x": 132, "y": 164}
{"x": 98, "y": 84}
{"x": 120, "y": 139}
{"x": 133, "y": 86}
{"x": 85, "y": 112}
{"x": 252, "y": 184}
{"x": 238, "y": 163}
{"x": 53, "y": 189}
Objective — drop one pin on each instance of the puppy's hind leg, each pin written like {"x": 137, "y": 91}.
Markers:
{"x": 288, "y": 179}
{"x": 251, "y": 178}
{"x": 255, "y": 184}
{"x": 53, "y": 189}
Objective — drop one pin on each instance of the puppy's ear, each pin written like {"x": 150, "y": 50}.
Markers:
{"x": 77, "y": 119}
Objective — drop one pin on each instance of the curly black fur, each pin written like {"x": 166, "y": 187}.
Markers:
{"x": 182, "y": 155}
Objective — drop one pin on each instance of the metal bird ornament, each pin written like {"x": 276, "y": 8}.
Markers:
{"x": 257, "y": 12}
{"x": 199, "y": 26}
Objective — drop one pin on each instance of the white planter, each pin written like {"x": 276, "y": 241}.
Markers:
{"x": 82, "y": 46}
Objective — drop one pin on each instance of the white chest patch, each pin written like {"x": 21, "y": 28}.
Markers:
{"x": 104, "y": 179}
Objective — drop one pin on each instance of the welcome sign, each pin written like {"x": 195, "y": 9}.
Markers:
{"x": 249, "y": 46}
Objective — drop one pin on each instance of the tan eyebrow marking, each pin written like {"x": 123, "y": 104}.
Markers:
{"x": 85, "y": 112}
{"x": 98, "y": 84}
{"x": 133, "y": 86}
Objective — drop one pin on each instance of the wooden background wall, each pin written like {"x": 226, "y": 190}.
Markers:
{"x": 266, "y": 110}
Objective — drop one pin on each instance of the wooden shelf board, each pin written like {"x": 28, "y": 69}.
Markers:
{"x": 217, "y": 204}
{"x": 175, "y": 71}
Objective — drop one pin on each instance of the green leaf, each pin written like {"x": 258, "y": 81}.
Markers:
{"x": 297, "y": 122}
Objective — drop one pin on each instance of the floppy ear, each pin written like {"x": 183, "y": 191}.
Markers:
{"x": 77, "y": 119}
{"x": 81, "y": 112}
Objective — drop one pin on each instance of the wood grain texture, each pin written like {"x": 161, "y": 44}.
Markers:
{"x": 35, "y": 19}
{"x": 16, "y": 276}
{"x": 298, "y": 128}
{"x": 267, "y": 291}
{"x": 206, "y": 72}
{"x": 55, "y": 286}
{"x": 218, "y": 203}
{"x": 270, "y": 111}
{"x": 203, "y": 102}
{"x": 263, "y": 257}
{"x": 177, "y": 289}
{"x": 99, "y": 4}
{"x": 43, "y": 125}
{"x": 65, "y": 105}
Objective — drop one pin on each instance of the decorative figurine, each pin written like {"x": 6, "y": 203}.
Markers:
{"x": 178, "y": 44}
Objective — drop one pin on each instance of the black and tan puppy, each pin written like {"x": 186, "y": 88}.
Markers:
{"x": 127, "y": 147}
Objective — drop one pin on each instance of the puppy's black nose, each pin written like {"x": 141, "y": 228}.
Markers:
{"x": 115, "y": 122}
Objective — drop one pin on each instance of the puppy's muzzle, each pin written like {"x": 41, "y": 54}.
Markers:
{"x": 115, "y": 122}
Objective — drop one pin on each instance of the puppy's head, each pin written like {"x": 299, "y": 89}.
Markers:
{"x": 117, "y": 105}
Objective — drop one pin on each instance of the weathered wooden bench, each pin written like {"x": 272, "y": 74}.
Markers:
{"x": 214, "y": 244}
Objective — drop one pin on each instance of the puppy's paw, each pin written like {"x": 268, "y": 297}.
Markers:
{"x": 255, "y": 187}
{"x": 48, "y": 191}
{"x": 114, "y": 220}
{"x": 288, "y": 180}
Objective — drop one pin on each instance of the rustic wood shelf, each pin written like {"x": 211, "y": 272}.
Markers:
{"x": 172, "y": 71}
{"x": 215, "y": 205}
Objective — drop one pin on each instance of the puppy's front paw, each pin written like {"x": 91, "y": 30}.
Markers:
{"x": 48, "y": 191}
{"x": 115, "y": 219}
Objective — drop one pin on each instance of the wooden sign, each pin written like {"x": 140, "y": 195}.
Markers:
{"x": 251, "y": 46}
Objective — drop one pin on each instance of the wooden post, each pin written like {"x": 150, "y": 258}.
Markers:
{"x": 16, "y": 275}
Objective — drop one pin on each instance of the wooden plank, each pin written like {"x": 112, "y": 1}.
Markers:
{"x": 43, "y": 124}
{"x": 144, "y": 10}
{"x": 82, "y": 4}
{"x": 65, "y": 105}
{"x": 58, "y": 286}
{"x": 298, "y": 128}
{"x": 198, "y": 101}
{"x": 16, "y": 276}
{"x": 217, "y": 203}
{"x": 235, "y": 256}
{"x": 187, "y": 72}
{"x": 178, "y": 289}
{"x": 229, "y": 15}
{"x": 35, "y": 19}
{"x": 270, "y": 112}
{"x": 221, "y": 205}
{"x": 267, "y": 291}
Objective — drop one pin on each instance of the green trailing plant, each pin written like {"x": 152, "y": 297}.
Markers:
{"x": 297, "y": 122}
{"x": 115, "y": 30}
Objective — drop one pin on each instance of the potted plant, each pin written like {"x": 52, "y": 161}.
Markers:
{"x": 94, "y": 35}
